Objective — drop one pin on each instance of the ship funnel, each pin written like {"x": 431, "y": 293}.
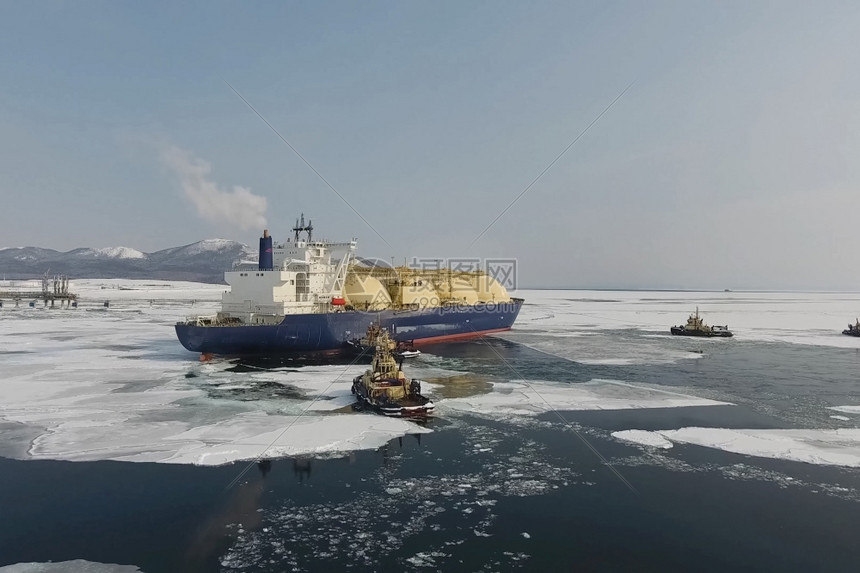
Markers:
{"x": 266, "y": 255}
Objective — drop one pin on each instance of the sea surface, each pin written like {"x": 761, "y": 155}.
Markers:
{"x": 585, "y": 439}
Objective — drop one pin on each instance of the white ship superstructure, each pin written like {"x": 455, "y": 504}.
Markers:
{"x": 301, "y": 276}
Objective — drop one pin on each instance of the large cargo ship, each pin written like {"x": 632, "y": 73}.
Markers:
{"x": 309, "y": 296}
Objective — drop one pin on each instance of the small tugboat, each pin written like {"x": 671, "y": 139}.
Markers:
{"x": 696, "y": 327}
{"x": 853, "y": 329}
{"x": 403, "y": 349}
{"x": 385, "y": 388}
{"x": 367, "y": 341}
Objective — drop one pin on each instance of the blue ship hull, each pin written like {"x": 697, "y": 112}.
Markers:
{"x": 335, "y": 331}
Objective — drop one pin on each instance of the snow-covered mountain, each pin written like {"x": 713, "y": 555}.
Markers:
{"x": 203, "y": 261}
{"x": 111, "y": 253}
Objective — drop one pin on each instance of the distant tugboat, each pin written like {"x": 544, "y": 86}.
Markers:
{"x": 403, "y": 349}
{"x": 385, "y": 388}
{"x": 696, "y": 327}
{"x": 853, "y": 329}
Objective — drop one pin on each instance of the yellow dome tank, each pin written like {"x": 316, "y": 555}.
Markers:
{"x": 460, "y": 290}
{"x": 366, "y": 293}
{"x": 489, "y": 289}
{"x": 416, "y": 292}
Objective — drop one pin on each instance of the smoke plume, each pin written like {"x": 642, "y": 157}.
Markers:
{"x": 238, "y": 207}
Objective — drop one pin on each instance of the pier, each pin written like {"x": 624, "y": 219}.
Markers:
{"x": 54, "y": 290}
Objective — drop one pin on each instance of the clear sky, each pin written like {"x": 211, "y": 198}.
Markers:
{"x": 733, "y": 161}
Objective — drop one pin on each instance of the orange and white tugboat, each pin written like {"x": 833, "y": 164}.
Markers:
{"x": 696, "y": 327}
{"x": 385, "y": 388}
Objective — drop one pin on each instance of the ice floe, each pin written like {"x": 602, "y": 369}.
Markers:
{"x": 74, "y": 566}
{"x": 846, "y": 409}
{"x": 250, "y": 436}
{"x": 333, "y": 403}
{"x": 520, "y": 397}
{"x": 840, "y": 447}
{"x": 643, "y": 437}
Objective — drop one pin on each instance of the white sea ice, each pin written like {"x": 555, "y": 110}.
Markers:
{"x": 327, "y": 380}
{"x": 333, "y": 403}
{"x": 74, "y": 566}
{"x": 798, "y": 318}
{"x": 94, "y": 383}
{"x": 839, "y": 447}
{"x": 250, "y": 436}
{"x": 846, "y": 409}
{"x": 520, "y": 397}
{"x": 116, "y": 384}
{"x": 643, "y": 437}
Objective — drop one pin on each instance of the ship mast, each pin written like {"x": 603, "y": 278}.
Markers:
{"x": 301, "y": 227}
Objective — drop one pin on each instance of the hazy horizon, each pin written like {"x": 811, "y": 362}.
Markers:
{"x": 731, "y": 160}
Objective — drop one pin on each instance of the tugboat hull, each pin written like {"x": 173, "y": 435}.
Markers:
{"x": 681, "y": 331}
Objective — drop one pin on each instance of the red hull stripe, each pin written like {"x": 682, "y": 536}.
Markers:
{"x": 463, "y": 336}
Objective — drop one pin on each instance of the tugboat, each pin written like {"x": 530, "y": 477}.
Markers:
{"x": 385, "y": 388}
{"x": 368, "y": 341}
{"x": 696, "y": 327}
{"x": 402, "y": 349}
{"x": 853, "y": 329}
